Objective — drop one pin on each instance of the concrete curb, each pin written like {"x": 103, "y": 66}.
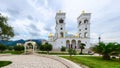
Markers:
{"x": 7, "y": 54}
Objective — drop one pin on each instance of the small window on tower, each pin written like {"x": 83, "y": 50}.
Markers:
{"x": 85, "y": 28}
{"x": 61, "y": 28}
{"x": 61, "y": 20}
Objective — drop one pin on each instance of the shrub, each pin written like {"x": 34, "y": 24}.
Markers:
{"x": 74, "y": 52}
{"x": 18, "y": 48}
{"x": 10, "y": 48}
{"x": 42, "y": 48}
{"x": 46, "y": 47}
{"x": 2, "y": 47}
{"x": 63, "y": 48}
{"x": 71, "y": 52}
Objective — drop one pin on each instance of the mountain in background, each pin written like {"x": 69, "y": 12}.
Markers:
{"x": 13, "y": 43}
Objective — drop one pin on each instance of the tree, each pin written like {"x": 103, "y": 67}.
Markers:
{"x": 82, "y": 46}
{"x": 106, "y": 50}
{"x": 7, "y": 30}
{"x": 10, "y": 48}
{"x": 63, "y": 48}
{"x": 71, "y": 52}
{"x": 46, "y": 47}
{"x": 2, "y": 47}
{"x": 18, "y": 48}
{"x": 42, "y": 48}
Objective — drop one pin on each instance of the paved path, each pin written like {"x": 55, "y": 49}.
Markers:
{"x": 31, "y": 61}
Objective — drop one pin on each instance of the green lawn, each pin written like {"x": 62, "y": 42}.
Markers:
{"x": 94, "y": 62}
{"x": 4, "y": 63}
{"x": 54, "y": 53}
{"x": 57, "y": 53}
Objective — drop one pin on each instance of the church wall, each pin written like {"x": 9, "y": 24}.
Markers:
{"x": 58, "y": 41}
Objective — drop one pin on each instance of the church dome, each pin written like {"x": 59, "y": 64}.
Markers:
{"x": 50, "y": 35}
{"x": 76, "y": 35}
{"x": 83, "y": 11}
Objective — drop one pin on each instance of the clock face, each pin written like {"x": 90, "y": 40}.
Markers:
{"x": 61, "y": 20}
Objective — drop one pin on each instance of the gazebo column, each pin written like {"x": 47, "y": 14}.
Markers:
{"x": 33, "y": 48}
{"x": 25, "y": 49}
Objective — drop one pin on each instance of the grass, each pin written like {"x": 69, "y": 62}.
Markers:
{"x": 12, "y": 52}
{"x": 94, "y": 62}
{"x": 4, "y": 63}
{"x": 58, "y": 53}
{"x": 53, "y": 53}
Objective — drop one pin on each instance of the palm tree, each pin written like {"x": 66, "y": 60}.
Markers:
{"x": 106, "y": 49}
{"x": 82, "y": 46}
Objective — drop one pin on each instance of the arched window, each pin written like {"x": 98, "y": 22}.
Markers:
{"x": 61, "y": 20}
{"x": 79, "y": 22}
{"x": 61, "y": 34}
{"x": 85, "y": 34}
{"x": 85, "y": 21}
{"x": 79, "y": 34}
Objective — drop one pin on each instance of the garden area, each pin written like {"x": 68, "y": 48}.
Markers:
{"x": 109, "y": 56}
{"x": 11, "y": 49}
{"x": 94, "y": 61}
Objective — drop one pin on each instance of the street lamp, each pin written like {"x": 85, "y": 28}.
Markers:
{"x": 99, "y": 38}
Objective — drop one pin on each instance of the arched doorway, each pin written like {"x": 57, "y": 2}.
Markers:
{"x": 61, "y": 34}
{"x": 73, "y": 45}
{"x": 30, "y": 47}
{"x": 67, "y": 44}
{"x": 78, "y": 45}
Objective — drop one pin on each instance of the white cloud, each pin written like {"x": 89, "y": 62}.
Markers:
{"x": 30, "y": 17}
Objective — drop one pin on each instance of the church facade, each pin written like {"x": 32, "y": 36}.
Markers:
{"x": 62, "y": 38}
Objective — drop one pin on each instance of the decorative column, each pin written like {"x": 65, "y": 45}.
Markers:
{"x": 76, "y": 44}
{"x": 33, "y": 48}
{"x": 70, "y": 45}
{"x": 25, "y": 49}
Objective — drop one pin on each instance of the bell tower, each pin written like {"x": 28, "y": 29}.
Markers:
{"x": 60, "y": 24}
{"x": 84, "y": 25}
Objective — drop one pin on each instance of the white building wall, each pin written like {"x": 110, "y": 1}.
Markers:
{"x": 58, "y": 42}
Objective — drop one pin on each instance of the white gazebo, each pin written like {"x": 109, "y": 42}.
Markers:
{"x": 30, "y": 46}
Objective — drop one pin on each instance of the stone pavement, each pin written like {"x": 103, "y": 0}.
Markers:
{"x": 35, "y": 61}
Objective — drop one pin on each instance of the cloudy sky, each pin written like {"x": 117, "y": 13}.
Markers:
{"x": 34, "y": 19}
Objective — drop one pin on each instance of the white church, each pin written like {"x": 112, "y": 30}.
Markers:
{"x": 62, "y": 38}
